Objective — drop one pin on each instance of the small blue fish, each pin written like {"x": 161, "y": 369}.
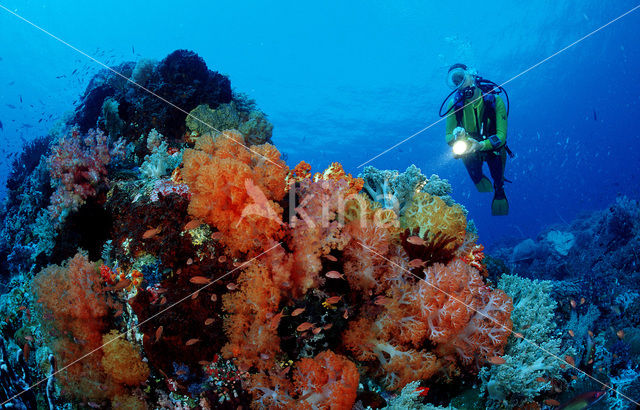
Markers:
{"x": 1, "y": 126}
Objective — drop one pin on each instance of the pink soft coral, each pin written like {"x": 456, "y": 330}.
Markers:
{"x": 77, "y": 167}
{"x": 451, "y": 310}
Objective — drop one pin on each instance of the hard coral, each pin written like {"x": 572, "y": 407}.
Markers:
{"x": 236, "y": 190}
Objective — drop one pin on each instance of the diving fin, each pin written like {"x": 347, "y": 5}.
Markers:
{"x": 500, "y": 205}
{"x": 484, "y": 185}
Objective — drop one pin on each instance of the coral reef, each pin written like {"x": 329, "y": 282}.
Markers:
{"x": 163, "y": 265}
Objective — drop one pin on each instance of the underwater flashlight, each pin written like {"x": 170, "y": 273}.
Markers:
{"x": 460, "y": 147}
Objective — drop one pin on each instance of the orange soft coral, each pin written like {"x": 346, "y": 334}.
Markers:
{"x": 328, "y": 381}
{"x": 70, "y": 295}
{"x": 335, "y": 172}
{"x": 236, "y": 190}
{"x": 252, "y": 321}
{"x": 430, "y": 216}
{"x": 121, "y": 360}
{"x": 299, "y": 173}
{"x": 317, "y": 229}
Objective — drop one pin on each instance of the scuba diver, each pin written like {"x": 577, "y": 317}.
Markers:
{"x": 477, "y": 130}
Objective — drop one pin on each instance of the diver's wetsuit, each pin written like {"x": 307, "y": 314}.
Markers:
{"x": 472, "y": 122}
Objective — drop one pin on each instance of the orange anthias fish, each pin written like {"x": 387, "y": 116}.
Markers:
{"x": 334, "y": 274}
{"x": 297, "y": 311}
{"x": 415, "y": 240}
{"x": 199, "y": 280}
{"x": 150, "y": 233}
{"x": 193, "y": 224}
{"x": 584, "y": 400}
{"x": 119, "y": 286}
{"x": 496, "y": 360}
{"x": 159, "y": 333}
{"x": 304, "y": 326}
{"x": 570, "y": 360}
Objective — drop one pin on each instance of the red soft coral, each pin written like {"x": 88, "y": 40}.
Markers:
{"x": 236, "y": 190}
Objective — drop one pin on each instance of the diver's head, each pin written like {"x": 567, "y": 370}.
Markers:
{"x": 460, "y": 77}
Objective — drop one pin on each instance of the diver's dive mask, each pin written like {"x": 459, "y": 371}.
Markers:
{"x": 461, "y": 78}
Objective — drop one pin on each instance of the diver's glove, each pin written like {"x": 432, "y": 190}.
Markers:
{"x": 459, "y": 133}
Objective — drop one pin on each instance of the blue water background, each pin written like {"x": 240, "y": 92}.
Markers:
{"x": 344, "y": 81}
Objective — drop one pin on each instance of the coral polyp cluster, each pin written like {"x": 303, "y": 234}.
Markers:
{"x": 219, "y": 277}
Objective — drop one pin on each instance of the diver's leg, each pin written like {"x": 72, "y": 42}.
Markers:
{"x": 473, "y": 163}
{"x": 500, "y": 205}
{"x": 496, "y": 168}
